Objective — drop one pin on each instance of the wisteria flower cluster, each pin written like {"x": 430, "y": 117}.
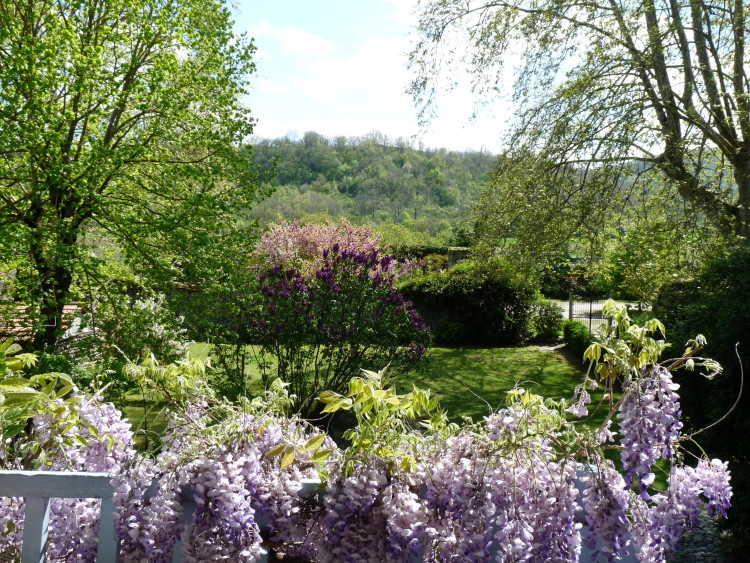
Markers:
{"x": 524, "y": 484}
{"x": 649, "y": 424}
{"x": 103, "y": 442}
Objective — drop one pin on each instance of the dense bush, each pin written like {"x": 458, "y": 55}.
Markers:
{"x": 326, "y": 306}
{"x": 473, "y": 303}
{"x": 577, "y": 338}
{"x": 717, "y": 304}
{"x": 321, "y": 328}
{"x": 546, "y": 321}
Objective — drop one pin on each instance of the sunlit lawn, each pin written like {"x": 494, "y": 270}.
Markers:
{"x": 474, "y": 381}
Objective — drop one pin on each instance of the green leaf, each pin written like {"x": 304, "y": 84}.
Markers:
{"x": 15, "y": 383}
{"x": 321, "y": 455}
{"x": 288, "y": 458}
{"x": 13, "y": 429}
{"x": 315, "y": 443}
{"x": 21, "y": 398}
{"x": 6, "y": 345}
{"x": 276, "y": 450}
{"x": 64, "y": 391}
{"x": 329, "y": 397}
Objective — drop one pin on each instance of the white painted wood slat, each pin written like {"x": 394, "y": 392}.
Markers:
{"x": 38, "y": 487}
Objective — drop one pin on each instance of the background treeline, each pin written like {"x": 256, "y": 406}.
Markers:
{"x": 374, "y": 180}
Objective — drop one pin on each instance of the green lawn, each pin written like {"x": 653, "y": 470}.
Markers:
{"x": 147, "y": 419}
{"x": 473, "y": 381}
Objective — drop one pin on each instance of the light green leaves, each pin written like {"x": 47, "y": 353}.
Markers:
{"x": 384, "y": 420}
{"x": 623, "y": 348}
{"x": 290, "y": 452}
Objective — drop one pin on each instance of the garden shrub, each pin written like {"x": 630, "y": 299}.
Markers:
{"x": 486, "y": 299}
{"x": 320, "y": 328}
{"x": 546, "y": 321}
{"x": 436, "y": 261}
{"x": 327, "y": 306}
{"x": 577, "y": 338}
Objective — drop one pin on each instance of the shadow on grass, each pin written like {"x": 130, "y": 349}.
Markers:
{"x": 474, "y": 381}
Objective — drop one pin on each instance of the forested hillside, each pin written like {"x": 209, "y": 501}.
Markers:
{"x": 374, "y": 180}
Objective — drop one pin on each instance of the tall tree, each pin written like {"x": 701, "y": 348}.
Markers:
{"x": 660, "y": 86}
{"x": 121, "y": 114}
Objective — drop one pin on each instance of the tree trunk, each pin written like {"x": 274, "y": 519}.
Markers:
{"x": 55, "y": 291}
{"x": 53, "y": 256}
{"x": 742, "y": 177}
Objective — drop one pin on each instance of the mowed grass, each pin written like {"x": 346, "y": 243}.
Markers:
{"x": 474, "y": 381}
{"x": 148, "y": 420}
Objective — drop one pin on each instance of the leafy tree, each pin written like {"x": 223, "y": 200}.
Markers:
{"x": 122, "y": 116}
{"x": 610, "y": 94}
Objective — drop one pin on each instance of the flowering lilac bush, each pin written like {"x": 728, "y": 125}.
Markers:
{"x": 294, "y": 245}
{"x": 318, "y": 324}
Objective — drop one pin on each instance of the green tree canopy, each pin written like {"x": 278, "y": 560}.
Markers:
{"x": 610, "y": 93}
{"x": 123, "y": 115}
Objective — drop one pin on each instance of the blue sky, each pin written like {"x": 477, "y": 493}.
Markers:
{"x": 338, "y": 67}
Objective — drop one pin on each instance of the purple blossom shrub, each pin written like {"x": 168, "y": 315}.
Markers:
{"x": 299, "y": 246}
{"x": 321, "y": 327}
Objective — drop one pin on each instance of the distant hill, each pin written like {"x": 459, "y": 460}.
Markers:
{"x": 373, "y": 180}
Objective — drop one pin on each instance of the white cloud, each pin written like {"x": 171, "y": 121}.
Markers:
{"x": 404, "y": 11}
{"x": 272, "y": 87}
{"x": 315, "y": 85}
{"x": 295, "y": 41}
{"x": 376, "y": 67}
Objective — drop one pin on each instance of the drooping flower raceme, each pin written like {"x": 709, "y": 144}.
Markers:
{"x": 606, "y": 505}
{"x": 104, "y": 441}
{"x": 649, "y": 424}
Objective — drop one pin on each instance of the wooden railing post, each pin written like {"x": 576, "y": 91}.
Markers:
{"x": 38, "y": 487}
{"x": 36, "y": 521}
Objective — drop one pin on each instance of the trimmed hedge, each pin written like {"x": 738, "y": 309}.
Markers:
{"x": 473, "y": 303}
{"x": 577, "y": 338}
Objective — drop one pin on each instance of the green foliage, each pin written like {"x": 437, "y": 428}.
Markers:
{"x": 476, "y": 302}
{"x": 23, "y": 398}
{"x": 135, "y": 326}
{"x": 546, "y": 320}
{"x": 597, "y": 138}
{"x": 121, "y": 126}
{"x": 385, "y": 428}
{"x": 577, "y": 338}
{"x": 413, "y": 197}
{"x": 174, "y": 382}
{"x": 717, "y": 304}
{"x": 622, "y": 349}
